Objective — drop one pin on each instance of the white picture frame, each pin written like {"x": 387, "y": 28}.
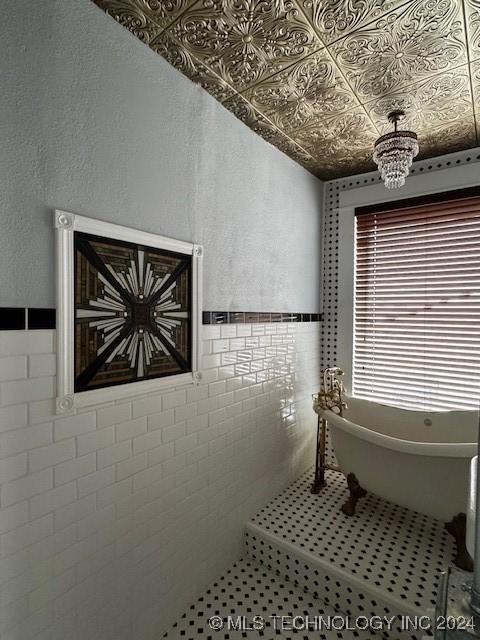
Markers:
{"x": 66, "y": 223}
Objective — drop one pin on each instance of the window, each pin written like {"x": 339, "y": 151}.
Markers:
{"x": 417, "y": 302}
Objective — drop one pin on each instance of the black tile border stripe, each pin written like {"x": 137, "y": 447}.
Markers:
{"x": 248, "y": 317}
{"x": 12, "y": 318}
{"x": 20, "y": 318}
{"x": 41, "y": 318}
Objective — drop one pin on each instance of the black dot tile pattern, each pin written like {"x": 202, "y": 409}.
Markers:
{"x": 387, "y": 547}
{"x": 419, "y": 167}
{"x": 329, "y": 336}
{"x": 340, "y": 594}
{"x": 250, "y": 589}
{"x": 329, "y": 331}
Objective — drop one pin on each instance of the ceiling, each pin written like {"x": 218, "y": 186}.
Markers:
{"x": 316, "y": 78}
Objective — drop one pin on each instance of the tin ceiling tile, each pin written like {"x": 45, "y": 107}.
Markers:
{"x": 341, "y": 143}
{"x": 266, "y": 61}
{"x": 246, "y": 40}
{"x": 243, "y": 110}
{"x": 350, "y": 130}
{"x": 144, "y": 18}
{"x": 333, "y": 19}
{"x": 472, "y": 16}
{"x": 443, "y": 99}
{"x": 304, "y": 93}
{"x": 407, "y": 45}
{"x": 188, "y": 64}
{"x": 451, "y": 137}
{"x": 475, "y": 75}
{"x": 345, "y": 165}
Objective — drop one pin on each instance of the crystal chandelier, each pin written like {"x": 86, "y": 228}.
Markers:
{"x": 394, "y": 153}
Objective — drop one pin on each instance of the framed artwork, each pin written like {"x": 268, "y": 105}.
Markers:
{"x": 128, "y": 311}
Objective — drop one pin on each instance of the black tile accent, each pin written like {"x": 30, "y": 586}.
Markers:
{"x": 41, "y": 319}
{"x": 236, "y": 317}
{"x": 12, "y": 318}
{"x": 219, "y": 317}
{"x": 251, "y": 317}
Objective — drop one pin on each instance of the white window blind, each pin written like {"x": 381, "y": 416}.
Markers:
{"x": 417, "y": 304}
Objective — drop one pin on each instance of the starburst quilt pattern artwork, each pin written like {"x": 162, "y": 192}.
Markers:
{"x": 132, "y": 307}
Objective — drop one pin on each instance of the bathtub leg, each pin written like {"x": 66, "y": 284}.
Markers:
{"x": 356, "y": 492}
{"x": 457, "y": 528}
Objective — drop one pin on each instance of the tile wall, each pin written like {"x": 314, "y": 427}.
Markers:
{"x": 113, "y": 519}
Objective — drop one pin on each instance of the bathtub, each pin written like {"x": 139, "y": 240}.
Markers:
{"x": 416, "y": 459}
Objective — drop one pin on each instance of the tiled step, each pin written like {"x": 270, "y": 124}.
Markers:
{"x": 254, "y": 594}
{"x": 385, "y": 560}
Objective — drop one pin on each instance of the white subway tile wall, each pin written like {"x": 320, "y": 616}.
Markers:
{"x": 113, "y": 519}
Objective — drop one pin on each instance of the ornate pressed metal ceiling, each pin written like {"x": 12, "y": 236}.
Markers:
{"x": 316, "y": 78}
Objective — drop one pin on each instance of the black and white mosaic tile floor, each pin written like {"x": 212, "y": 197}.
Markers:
{"x": 304, "y": 557}
{"x": 254, "y": 594}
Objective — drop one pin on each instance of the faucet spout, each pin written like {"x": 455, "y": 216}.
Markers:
{"x": 330, "y": 396}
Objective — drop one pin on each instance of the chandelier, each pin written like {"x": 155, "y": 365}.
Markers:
{"x": 394, "y": 153}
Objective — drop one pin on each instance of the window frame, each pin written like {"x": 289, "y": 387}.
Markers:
{"x": 383, "y": 378}
{"x": 426, "y": 184}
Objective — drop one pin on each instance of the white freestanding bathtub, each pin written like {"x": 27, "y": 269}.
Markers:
{"x": 416, "y": 459}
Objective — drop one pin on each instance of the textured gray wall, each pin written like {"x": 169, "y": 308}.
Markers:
{"x": 94, "y": 122}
